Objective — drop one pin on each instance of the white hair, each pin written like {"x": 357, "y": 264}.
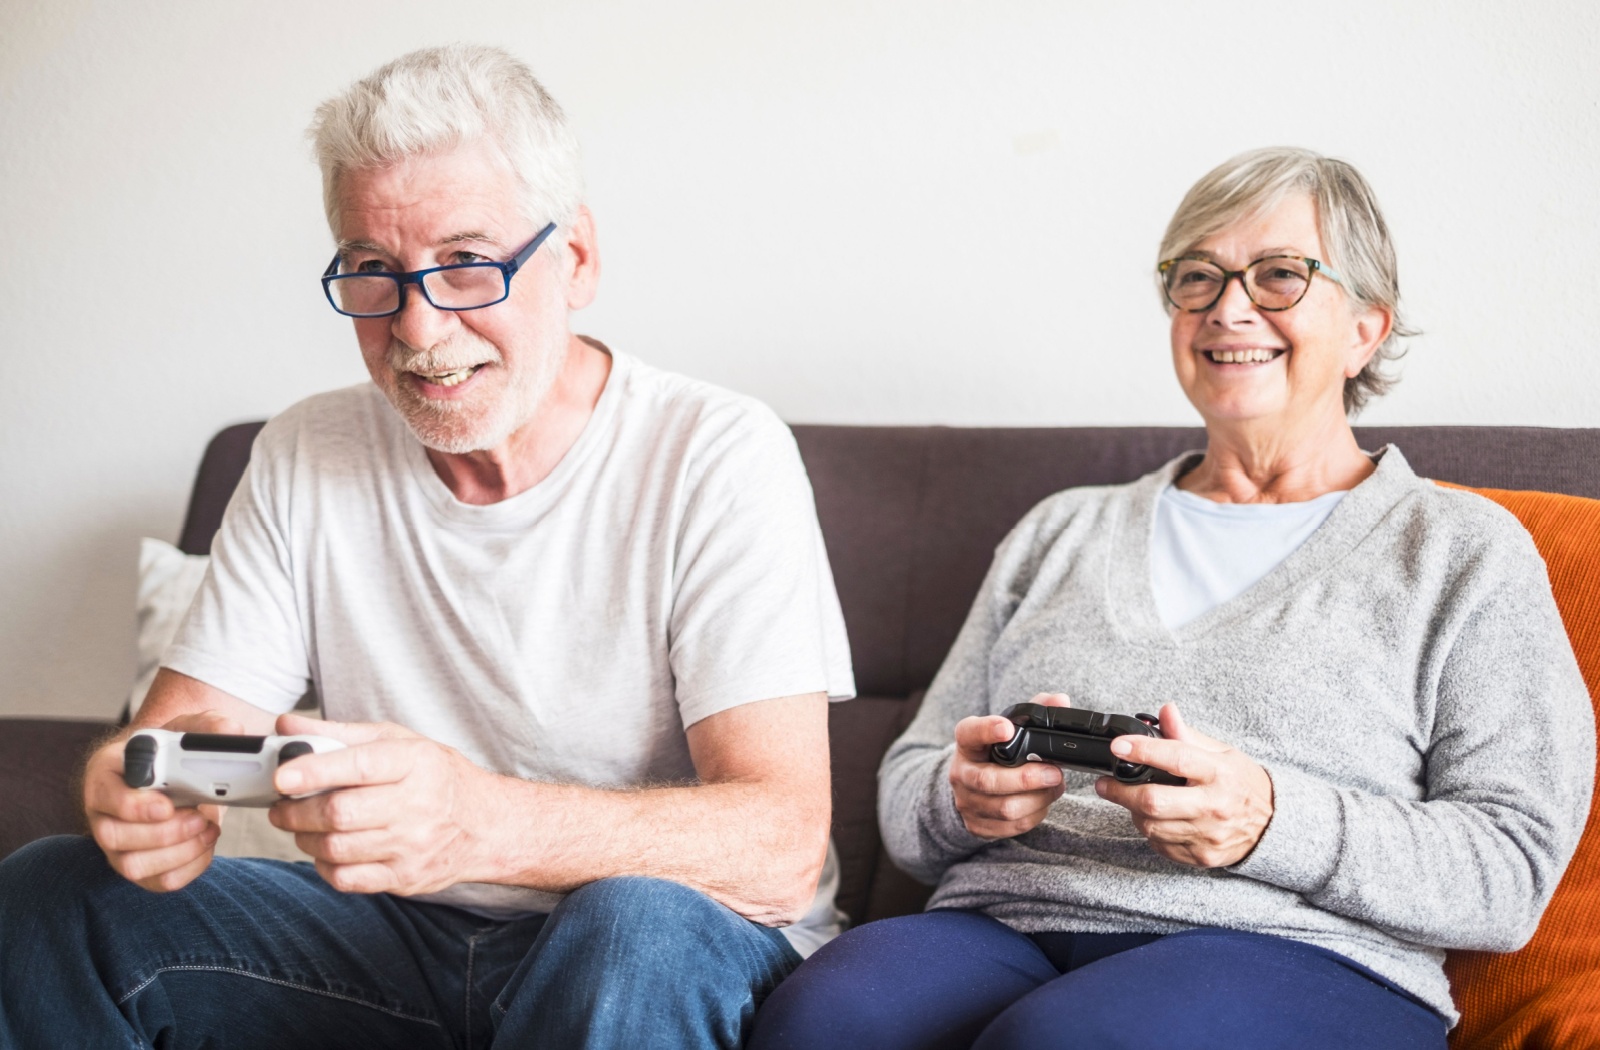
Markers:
{"x": 440, "y": 98}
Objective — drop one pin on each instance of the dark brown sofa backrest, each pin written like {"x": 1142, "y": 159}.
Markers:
{"x": 911, "y": 516}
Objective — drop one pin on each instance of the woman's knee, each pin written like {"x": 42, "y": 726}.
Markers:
{"x": 1215, "y": 987}
{"x": 925, "y": 981}
{"x": 831, "y": 1000}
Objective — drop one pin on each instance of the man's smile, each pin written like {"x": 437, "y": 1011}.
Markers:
{"x": 447, "y": 379}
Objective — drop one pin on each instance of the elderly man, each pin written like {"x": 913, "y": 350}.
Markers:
{"x": 574, "y": 619}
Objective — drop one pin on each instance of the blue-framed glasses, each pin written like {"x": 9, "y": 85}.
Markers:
{"x": 463, "y": 286}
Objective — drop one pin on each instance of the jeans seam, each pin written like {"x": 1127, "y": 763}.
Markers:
{"x": 142, "y": 985}
{"x": 466, "y": 998}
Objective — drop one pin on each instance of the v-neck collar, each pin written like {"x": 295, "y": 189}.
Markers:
{"x": 1131, "y": 598}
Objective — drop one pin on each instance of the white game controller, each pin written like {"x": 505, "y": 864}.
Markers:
{"x": 225, "y": 769}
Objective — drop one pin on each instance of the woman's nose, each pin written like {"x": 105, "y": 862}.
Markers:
{"x": 1234, "y": 304}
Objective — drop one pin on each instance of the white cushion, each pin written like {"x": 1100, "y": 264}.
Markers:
{"x": 168, "y": 579}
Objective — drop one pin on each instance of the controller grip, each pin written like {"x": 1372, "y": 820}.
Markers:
{"x": 1129, "y": 773}
{"x": 139, "y": 762}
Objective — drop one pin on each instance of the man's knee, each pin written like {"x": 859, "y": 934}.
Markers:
{"x": 49, "y": 889}
{"x": 644, "y": 918}
{"x": 652, "y": 933}
{"x": 51, "y": 869}
{"x": 635, "y": 954}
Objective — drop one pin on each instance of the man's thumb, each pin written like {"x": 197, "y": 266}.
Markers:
{"x": 291, "y": 724}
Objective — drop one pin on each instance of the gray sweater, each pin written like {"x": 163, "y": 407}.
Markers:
{"x": 1404, "y": 677}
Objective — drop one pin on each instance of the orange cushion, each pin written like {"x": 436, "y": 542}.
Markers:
{"x": 1547, "y": 995}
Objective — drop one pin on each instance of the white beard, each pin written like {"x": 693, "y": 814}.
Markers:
{"x": 483, "y": 420}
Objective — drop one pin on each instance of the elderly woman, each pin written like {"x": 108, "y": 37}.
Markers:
{"x": 1362, "y": 676}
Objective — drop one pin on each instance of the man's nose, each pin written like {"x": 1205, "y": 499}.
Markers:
{"x": 419, "y": 323}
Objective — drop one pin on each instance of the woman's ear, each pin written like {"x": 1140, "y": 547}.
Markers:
{"x": 1372, "y": 326}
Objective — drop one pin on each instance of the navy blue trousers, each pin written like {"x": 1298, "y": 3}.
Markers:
{"x": 954, "y": 979}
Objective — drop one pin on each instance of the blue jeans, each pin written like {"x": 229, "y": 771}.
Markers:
{"x": 945, "y": 980}
{"x": 259, "y": 953}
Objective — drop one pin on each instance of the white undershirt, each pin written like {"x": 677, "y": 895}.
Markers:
{"x": 1203, "y": 553}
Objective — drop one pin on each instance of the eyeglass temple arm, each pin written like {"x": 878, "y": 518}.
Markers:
{"x": 515, "y": 263}
{"x": 525, "y": 254}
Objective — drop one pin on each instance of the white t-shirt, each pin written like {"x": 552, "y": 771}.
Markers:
{"x": 1204, "y": 553}
{"x": 669, "y": 568}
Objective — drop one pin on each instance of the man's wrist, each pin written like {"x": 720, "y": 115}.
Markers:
{"x": 498, "y": 816}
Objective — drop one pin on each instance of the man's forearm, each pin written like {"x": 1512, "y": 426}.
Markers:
{"x": 173, "y": 694}
{"x": 756, "y": 848}
{"x": 395, "y": 812}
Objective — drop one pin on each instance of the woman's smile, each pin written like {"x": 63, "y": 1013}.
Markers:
{"x": 1241, "y": 357}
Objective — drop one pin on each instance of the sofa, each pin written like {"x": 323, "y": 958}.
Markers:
{"x": 911, "y": 516}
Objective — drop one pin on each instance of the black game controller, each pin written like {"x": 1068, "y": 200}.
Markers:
{"x": 1079, "y": 740}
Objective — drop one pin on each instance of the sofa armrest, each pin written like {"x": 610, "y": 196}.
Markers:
{"x": 39, "y": 765}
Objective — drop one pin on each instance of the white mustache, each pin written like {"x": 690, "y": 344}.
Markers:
{"x": 404, "y": 358}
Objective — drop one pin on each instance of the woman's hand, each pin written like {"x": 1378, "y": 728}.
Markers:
{"x": 995, "y": 801}
{"x": 1214, "y": 821}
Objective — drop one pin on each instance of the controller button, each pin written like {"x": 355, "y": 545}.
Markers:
{"x": 244, "y": 745}
{"x": 292, "y": 750}
{"x": 139, "y": 762}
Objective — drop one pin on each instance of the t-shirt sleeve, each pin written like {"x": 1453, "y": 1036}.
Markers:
{"x": 243, "y": 634}
{"x": 754, "y": 610}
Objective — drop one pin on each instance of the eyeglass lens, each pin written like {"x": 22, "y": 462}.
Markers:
{"x": 454, "y": 288}
{"x": 1274, "y": 283}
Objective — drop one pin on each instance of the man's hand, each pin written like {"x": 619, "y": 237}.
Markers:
{"x": 1214, "y": 821}
{"x": 995, "y": 801}
{"x": 147, "y": 840}
{"x": 395, "y": 816}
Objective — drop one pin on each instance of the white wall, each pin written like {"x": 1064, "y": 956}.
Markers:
{"x": 861, "y": 212}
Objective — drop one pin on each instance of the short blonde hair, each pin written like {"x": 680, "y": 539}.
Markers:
{"x": 439, "y": 98}
{"x": 1354, "y": 235}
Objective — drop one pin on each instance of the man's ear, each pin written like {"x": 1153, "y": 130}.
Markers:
{"x": 1372, "y": 326}
{"x": 582, "y": 260}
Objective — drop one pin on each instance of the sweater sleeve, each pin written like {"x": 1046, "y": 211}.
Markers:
{"x": 1508, "y": 776}
{"x": 922, "y": 831}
